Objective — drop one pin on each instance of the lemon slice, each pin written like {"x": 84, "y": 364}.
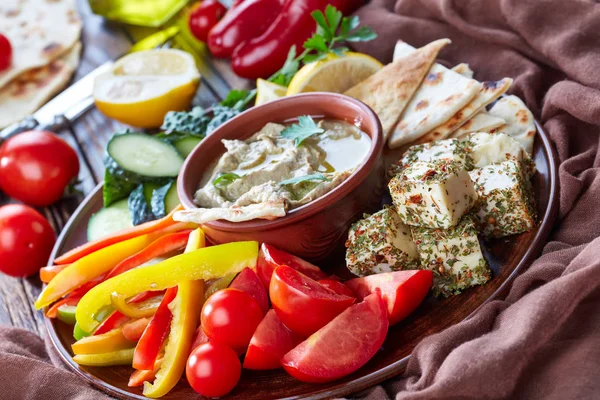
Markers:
{"x": 143, "y": 86}
{"x": 334, "y": 73}
{"x": 268, "y": 91}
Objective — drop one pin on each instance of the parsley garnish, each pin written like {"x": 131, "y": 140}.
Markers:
{"x": 304, "y": 129}
{"x": 298, "y": 179}
{"x": 225, "y": 179}
{"x": 332, "y": 28}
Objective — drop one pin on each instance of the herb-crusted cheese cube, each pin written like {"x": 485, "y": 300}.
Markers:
{"x": 380, "y": 243}
{"x": 505, "y": 206}
{"x": 448, "y": 150}
{"x": 454, "y": 255}
{"x": 432, "y": 194}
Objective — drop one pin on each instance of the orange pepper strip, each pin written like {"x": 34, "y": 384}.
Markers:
{"x": 140, "y": 376}
{"x": 69, "y": 301}
{"x": 147, "y": 227}
{"x": 48, "y": 273}
{"x": 133, "y": 330}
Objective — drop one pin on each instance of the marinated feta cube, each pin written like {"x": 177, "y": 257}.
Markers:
{"x": 380, "y": 243}
{"x": 505, "y": 206}
{"x": 433, "y": 194}
{"x": 454, "y": 255}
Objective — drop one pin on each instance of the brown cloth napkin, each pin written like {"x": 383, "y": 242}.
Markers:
{"x": 543, "y": 340}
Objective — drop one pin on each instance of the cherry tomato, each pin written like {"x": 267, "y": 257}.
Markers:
{"x": 269, "y": 343}
{"x": 247, "y": 281}
{"x": 342, "y": 346}
{"x": 402, "y": 291}
{"x": 271, "y": 257}
{"x": 231, "y": 316}
{"x": 26, "y": 240}
{"x": 213, "y": 369}
{"x": 204, "y": 17}
{"x": 6, "y": 53}
{"x": 337, "y": 287}
{"x": 36, "y": 167}
{"x": 303, "y": 304}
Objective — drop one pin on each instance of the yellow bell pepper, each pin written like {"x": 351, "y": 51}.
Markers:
{"x": 144, "y": 309}
{"x": 186, "y": 309}
{"x": 105, "y": 343}
{"x": 89, "y": 267}
{"x": 119, "y": 357}
{"x": 207, "y": 263}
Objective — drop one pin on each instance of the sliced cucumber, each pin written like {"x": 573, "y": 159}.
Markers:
{"x": 67, "y": 314}
{"x": 144, "y": 155}
{"x": 109, "y": 220}
{"x": 115, "y": 188}
{"x": 139, "y": 209}
{"x": 164, "y": 199}
{"x": 187, "y": 144}
{"x": 149, "y": 188}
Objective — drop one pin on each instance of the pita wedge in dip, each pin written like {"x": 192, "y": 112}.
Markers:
{"x": 389, "y": 90}
{"x": 481, "y": 122}
{"x": 27, "y": 92}
{"x": 519, "y": 120}
{"x": 40, "y": 31}
{"x": 440, "y": 96}
{"x": 276, "y": 170}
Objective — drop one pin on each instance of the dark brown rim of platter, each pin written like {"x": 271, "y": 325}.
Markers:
{"x": 427, "y": 320}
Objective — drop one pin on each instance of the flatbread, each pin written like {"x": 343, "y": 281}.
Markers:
{"x": 440, "y": 96}
{"x": 464, "y": 70}
{"x": 266, "y": 210}
{"x": 490, "y": 91}
{"x": 389, "y": 90}
{"x": 30, "y": 90}
{"x": 482, "y": 122}
{"x": 519, "y": 120}
{"x": 40, "y": 31}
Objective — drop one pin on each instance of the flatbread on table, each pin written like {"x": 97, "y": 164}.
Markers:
{"x": 519, "y": 120}
{"x": 441, "y": 95}
{"x": 30, "y": 90}
{"x": 463, "y": 69}
{"x": 40, "y": 31}
{"x": 389, "y": 90}
{"x": 481, "y": 122}
{"x": 490, "y": 91}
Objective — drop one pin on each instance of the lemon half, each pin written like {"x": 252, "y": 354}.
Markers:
{"x": 268, "y": 91}
{"x": 143, "y": 86}
{"x": 334, "y": 73}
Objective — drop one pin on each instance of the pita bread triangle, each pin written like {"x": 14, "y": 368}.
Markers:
{"x": 389, "y": 90}
{"x": 519, "y": 120}
{"x": 463, "y": 69}
{"x": 482, "y": 122}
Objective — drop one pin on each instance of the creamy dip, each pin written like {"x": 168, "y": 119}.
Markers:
{"x": 256, "y": 168}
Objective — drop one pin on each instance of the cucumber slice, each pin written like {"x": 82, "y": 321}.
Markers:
{"x": 164, "y": 199}
{"x": 149, "y": 188}
{"x": 139, "y": 209}
{"x": 144, "y": 156}
{"x": 67, "y": 314}
{"x": 109, "y": 220}
{"x": 187, "y": 144}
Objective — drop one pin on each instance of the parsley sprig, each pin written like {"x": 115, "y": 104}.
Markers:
{"x": 225, "y": 179}
{"x": 305, "y": 178}
{"x": 332, "y": 28}
{"x": 304, "y": 129}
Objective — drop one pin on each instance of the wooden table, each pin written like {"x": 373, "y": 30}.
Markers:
{"x": 102, "y": 41}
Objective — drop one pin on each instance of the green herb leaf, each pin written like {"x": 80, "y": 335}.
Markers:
{"x": 322, "y": 25}
{"x": 304, "y": 129}
{"x": 311, "y": 177}
{"x": 316, "y": 42}
{"x": 284, "y": 76}
{"x": 238, "y": 99}
{"x": 334, "y": 16}
{"x": 362, "y": 34}
{"x": 225, "y": 179}
{"x": 193, "y": 122}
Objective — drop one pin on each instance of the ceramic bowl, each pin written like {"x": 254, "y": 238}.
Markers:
{"x": 317, "y": 229}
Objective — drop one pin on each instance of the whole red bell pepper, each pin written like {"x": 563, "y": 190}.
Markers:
{"x": 263, "y": 56}
{"x": 242, "y": 23}
{"x": 155, "y": 334}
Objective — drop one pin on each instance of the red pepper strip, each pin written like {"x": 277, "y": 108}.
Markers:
{"x": 155, "y": 334}
{"x": 159, "y": 247}
{"x": 116, "y": 319}
{"x": 48, "y": 273}
{"x": 133, "y": 330}
{"x": 148, "y": 227}
{"x": 147, "y": 375}
{"x": 69, "y": 301}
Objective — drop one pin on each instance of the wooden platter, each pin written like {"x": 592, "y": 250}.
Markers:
{"x": 507, "y": 258}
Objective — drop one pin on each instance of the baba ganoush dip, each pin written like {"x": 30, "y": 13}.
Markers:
{"x": 278, "y": 169}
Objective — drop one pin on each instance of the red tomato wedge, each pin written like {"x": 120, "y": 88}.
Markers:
{"x": 201, "y": 338}
{"x": 402, "y": 291}
{"x": 247, "y": 281}
{"x": 270, "y": 258}
{"x": 337, "y": 287}
{"x": 270, "y": 342}
{"x": 303, "y": 304}
{"x": 342, "y": 346}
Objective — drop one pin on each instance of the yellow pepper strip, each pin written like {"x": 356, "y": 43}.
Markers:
{"x": 89, "y": 267}
{"x": 207, "y": 263}
{"x": 119, "y": 357}
{"x": 105, "y": 343}
{"x": 186, "y": 309}
{"x": 144, "y": 309}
